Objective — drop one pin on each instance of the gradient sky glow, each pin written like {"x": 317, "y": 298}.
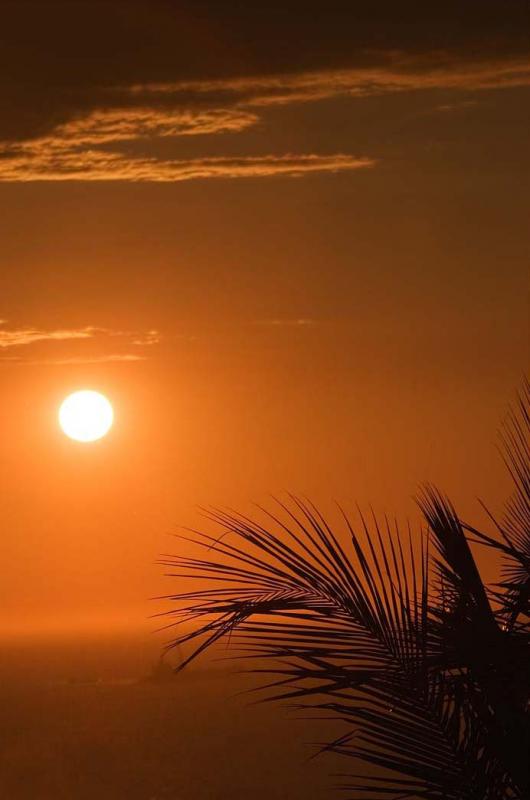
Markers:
{"x": 292, "y": 249}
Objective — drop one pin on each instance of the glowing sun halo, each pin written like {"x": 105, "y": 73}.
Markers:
{"x": 86, "y": 416}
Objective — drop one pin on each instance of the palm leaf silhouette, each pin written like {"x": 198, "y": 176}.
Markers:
{"x": 393, "y": 635}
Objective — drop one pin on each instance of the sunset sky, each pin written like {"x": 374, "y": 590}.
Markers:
{"x": 290, "y": 246}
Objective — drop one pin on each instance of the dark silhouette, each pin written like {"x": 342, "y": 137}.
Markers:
{"x": 395, "y": 636}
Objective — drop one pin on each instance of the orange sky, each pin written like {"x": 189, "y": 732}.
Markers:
{"x": 315, "y": 281}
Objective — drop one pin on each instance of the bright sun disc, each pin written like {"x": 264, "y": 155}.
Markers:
{"x": 86, "y": 416}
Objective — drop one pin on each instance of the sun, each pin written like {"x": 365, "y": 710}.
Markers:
{"x": 86, "y": 416}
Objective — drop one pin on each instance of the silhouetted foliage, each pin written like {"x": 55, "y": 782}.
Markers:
{"x": 396, "y": 636}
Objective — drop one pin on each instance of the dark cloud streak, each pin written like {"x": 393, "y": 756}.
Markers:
{"x": 59, "y": 58}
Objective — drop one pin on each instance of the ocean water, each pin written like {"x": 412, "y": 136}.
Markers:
{"x": 79, "y": 721}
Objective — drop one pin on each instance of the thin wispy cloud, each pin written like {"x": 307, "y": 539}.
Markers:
{"x": 146, "y": 339}
{"x": 19, "y": 337}
{"x": 123, "y": 124}
{"x": 64, "y": 165}
{"x": 28, "y": 339}
{"x": 299, "y": 322}
{"x": 25, "y": 335}
{"x": 400, "y": 73}
{"x": 95, "y": 145}
{"x": 448, "y": 108}
{"x": 113, "y": 358}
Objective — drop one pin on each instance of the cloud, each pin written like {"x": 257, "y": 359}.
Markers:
{"x": 87, "y": 148}
{"x": 146, "y": 339}
{"x": 16, "y": 337}
{"x": 108, "y": 359}
{"x": 107, "y": 125}
{"x": 95, "y": 144}
{"x": 102, "y": 166}
{"x": 400, "y": 73}
{"x": 26, "y": 336}
{"x": 299, "y": 322}
{"x": 451, "y": 107}
{"x": 29, "y": 337}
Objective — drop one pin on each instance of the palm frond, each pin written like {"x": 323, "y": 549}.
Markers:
{"x": 489, "y": 661}
{"x": 514, "y": 527}
{"x": 347, "y": 629}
